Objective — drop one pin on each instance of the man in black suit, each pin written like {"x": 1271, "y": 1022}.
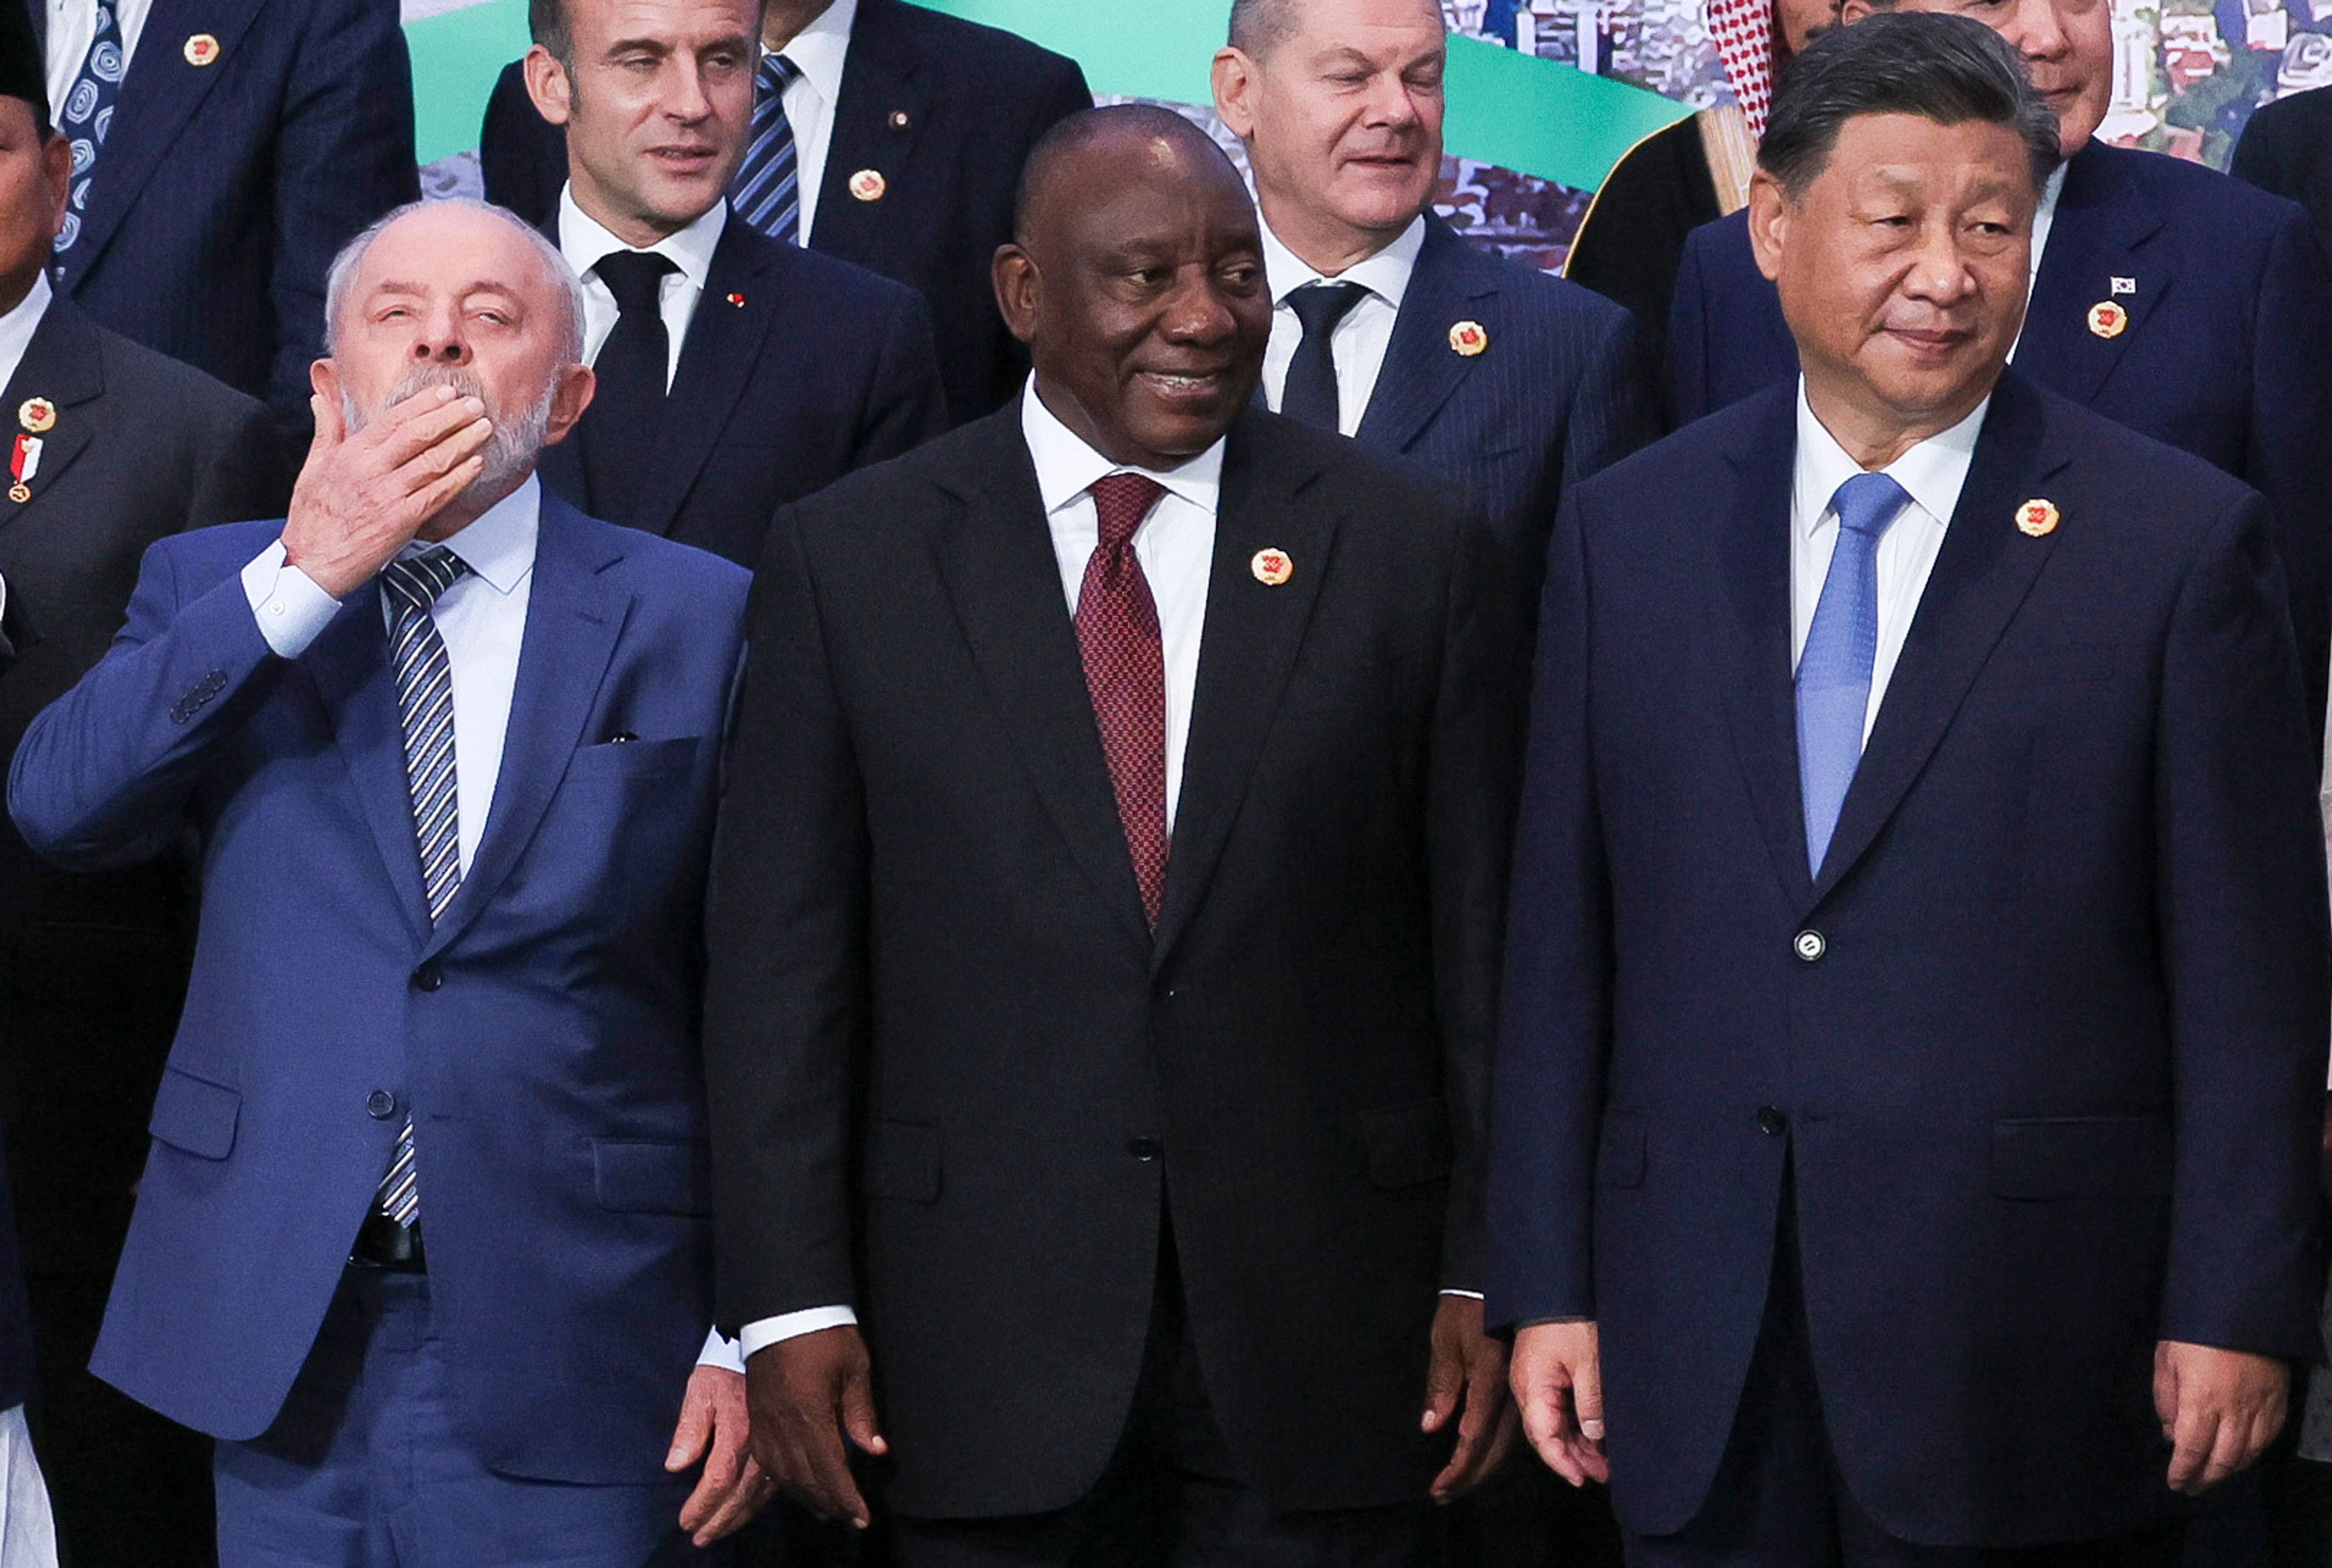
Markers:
{"x": 111, "y": 446}
{"x": 2287, "y": 148}
{"x": 735, "y": 373}
{"x": 1119, "y": 803}
{"x": 904, "y": 131}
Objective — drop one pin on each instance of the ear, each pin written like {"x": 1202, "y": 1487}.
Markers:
{"x": 1854, "y": 10}
{"x": 1018, "y": 290}
{"x": 324, "y": 377}
{"x": 548, "y": 85}
{"x": 1235, "y": 79}
{"x": 56, "y": 173}
{"x": 1768, "y": 222}
{"x": 570, "y": 395}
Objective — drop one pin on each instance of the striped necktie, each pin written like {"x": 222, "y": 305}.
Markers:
{"x": 88, "y": 115}
{"x": 767, "y": 191}
{"x": 424, "y": 701}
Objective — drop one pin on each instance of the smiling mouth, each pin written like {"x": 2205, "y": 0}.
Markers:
{"x": 689, "y": 157}
{"x": 1184, "y": 383}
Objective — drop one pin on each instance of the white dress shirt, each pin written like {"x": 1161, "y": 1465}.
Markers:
{"x": 1358, "y": 342}
{"x": 583, "y": 240}
{"x": 481, "y": 616}
{"x": 2044, "y": 220}
{"x": 73, "y": 28}
{"x": 1932, "y": 473}
{"x": 818, "y": 50}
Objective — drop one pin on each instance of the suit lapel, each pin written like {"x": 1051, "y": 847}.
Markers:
{"x": 574, "y": 614}
{"x": 1749, "y": 561}
{"x": 882, "y": 83}
{"x": 63, "y": 364}
{"x": 716, "y": 360}
{"x": 1247, "y": 653}
{"x": 1981, "y": 578}
{"x": 158, "y": 98}
{"x": 350, "y": 665}
{"x": 1421, "y": 371}
{"x": 2103, "y": 219}
{"x": 1005, "y": 584}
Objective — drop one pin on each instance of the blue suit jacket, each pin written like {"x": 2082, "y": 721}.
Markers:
{"x": 2225, "y": 354}
{"x": 1551, "y": 400}
{"x": 224, "y": 190}
{"x": 796, "y": 370}
{"x": 2052, "y": 1079}
{"x": 544, "y": 1034}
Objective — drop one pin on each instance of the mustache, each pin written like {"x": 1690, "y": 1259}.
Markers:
{"x": 509, "y": 451}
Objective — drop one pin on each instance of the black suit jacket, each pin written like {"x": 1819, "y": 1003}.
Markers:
{"x": 945, "y": 110}
{"x": 922, "y": 887}
{"x": 95, "y": 965}
{"x": 2287, "y": 148}
{"x": 796, "y": 370}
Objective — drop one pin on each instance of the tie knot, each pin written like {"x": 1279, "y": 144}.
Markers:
{"x": 635, "y": 278}
{"x": 778, "y": 72}
{"x": 418, "y": 579}
{"x": 1868, "y": 504}
{"x": 1123, "y": 501}
{"x": 1320, "y": 306}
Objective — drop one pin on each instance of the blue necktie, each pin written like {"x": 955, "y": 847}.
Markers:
{"x": 1842, "y": 646}
{"x": 767, "y": 191}
{"x": 88, "y": 115}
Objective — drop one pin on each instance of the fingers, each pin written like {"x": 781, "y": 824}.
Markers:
{"x": 747, "y": 1498}
{"x": 693, "y": 1431}
{"x": 734, "y": 1487}
{"x": 2166, "y": 1390}
{"x": 331, "y": 429}
{"x": 1485, "y": 1431}
{"x": 833, "y": 1490}
{"x": 1444, "y": 1383}
{"x": 2193, "y": 1436}
{"x": 1547, "y": 1422}
{"x": 416, "y": 424}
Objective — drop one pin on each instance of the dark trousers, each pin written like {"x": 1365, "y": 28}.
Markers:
{"x": 1169, "y": 1497}
{"x": 1778, "y": 1500}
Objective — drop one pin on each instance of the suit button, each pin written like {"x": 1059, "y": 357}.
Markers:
{"x": 1145, "y": 1149}
{"x": 1771, "y": 1121}
{"x": 380, "y": 1105}
{"x": 1809, "y": 945}
{"x": 427, "y": 978}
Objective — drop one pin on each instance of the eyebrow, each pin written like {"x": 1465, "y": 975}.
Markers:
{"x": 479, "y": 286}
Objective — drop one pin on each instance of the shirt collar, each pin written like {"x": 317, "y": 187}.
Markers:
{"x": 1066, "y": 467}
{"x": 498, "y": 545}
{"x": 1932, "y": 473}
{"x": 583, "y": 240}
{"x": 1385, "y": 274}
{"x": 818, "y": 50}
{"x": 17, "y": 326}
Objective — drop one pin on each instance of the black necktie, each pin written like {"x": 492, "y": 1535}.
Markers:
{"x": 1310, "y": 394}
{"x": 620, "y": 429}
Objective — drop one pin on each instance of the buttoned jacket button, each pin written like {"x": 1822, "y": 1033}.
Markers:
{"x": 1145, "y": 1149}
{"x": 1771, "y": 1121}
{"x": 427, "y": 978}
{"x": 1809, "y": 945}
{"x": 380, "y": 1105}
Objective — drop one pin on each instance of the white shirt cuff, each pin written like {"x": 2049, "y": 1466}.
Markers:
{"x": 291, "y": 610}
{"x": 1468, "y": 1294}
{"x": 760, "y": 1334}
{"x": 721, "y": 1353}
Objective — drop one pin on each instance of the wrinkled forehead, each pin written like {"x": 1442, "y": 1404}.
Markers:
{"x": 451, "y": 254}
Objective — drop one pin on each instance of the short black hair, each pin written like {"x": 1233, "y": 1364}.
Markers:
{"x": 1944, "y": 68}
{"x": 1081, "y": 131}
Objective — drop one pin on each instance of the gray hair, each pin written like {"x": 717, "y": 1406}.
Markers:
{"x": 1259, "y": 26}
{"x": 1948, "y": 69}
{"x": 340, "y": 282}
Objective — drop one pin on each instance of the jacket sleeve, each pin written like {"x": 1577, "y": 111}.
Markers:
{"x": 1611, "y": 412}
{"x": 2289, "y": 459}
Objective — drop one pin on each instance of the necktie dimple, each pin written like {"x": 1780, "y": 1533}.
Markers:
{"x": 1310, "y": 392}
{"x": 767, "y": 189}
{"x": 619, "y": 430}
{"x": 88, "y": 115}
{"x": 424, "y": 702}
{"x": 1125, "y": 675}
{"x": 1834, "y": 670}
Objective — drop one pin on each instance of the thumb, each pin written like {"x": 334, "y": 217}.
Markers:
{"x": 1445, "y": 1379}
{"x": 2166, "y": 1388}
{"x": 858, "y": 1413}
{"x": 690, "y": 1438}
{"x": 1587, "y": 1396}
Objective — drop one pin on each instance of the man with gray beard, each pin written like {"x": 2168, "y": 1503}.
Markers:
{"x": 448, "y": 747}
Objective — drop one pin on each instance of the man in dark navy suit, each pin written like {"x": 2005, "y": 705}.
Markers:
{"x": 904, "y": 131}
{"x": 1386, "y": 325}
{"x": 2287, "y": 148}
{"x": 735, "y": 373}
{"x": 1906, "y": 1105}
{"x": 223, "y": 151}
{"x": 2165, "y": 296}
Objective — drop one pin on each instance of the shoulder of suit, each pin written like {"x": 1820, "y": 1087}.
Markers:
{"x": 1681, "y": 460}
{"x": 2216, "y": 208}
{"x": 644, "y": 555}
{"x": 1386, "y": 486}
{"x": 168, "y": 388}
{"x": 1539, "y": 294}
{"x": 2155, "y": 476}
{"x": 2300, "y": 115}
{"x": 843, "y": 290}
{"x": 964, "y": 48}
{"x": 1723, "y": 243}
{"x": 904, "y": 491}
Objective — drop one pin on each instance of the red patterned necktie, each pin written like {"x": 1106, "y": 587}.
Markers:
{"x": 1125, "y": 674}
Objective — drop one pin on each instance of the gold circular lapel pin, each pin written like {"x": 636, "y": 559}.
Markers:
{"x": 1271, "y": 567}
{"x": 201, "y": 50}
{"x": 868, "y": 185}
{"x": 37, "y": 415}
{"x": 1468, "y": 339}
{"x": 2107, "y": 320}
{"x": 2037, "y": 519}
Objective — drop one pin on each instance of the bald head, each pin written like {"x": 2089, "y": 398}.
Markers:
{"x": 1092, "y": 144}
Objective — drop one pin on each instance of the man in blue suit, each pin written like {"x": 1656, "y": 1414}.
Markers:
{"x": 448, "y": 748}
{"x": 1906, "y": 1117}
{"x": 2164, "y": 296}
{"x": 735, "y": 373}
{"x": 1386, "y": 325}
{"x": 223, "y": 151}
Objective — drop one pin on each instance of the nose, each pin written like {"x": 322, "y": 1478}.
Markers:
{"x": 1391, "y": 105}
{"x": 685, "y": 99}
{"x": 1197, "y": 313}
{"x": 2036, "y": 31}
{"x": 1939, "y": 271}
{"x": 441, "y": 341}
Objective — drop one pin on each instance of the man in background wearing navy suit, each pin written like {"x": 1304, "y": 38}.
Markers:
{"x": 903, "y": 131}
{"x": 1386, "y": 325}
{"x": 2165, "y": 296}
{"x": 223, "y": 151}
{"x": 422, "y": 1238}
{"x": 1906, "y": 1114}
{"x": 735, "y": 373}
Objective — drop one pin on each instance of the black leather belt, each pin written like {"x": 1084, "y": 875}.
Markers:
{"x": 385, "y": 1244}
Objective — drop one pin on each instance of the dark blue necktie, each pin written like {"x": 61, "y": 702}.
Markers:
{"x": 88, "y": 115}
{"x": 767, "y": 191}
{"x": 1310, "y": 392}
{"x": 1841, "y": 648}
{"x": 618, "y": 432}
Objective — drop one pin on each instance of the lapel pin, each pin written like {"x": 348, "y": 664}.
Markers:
{"x": 2123, "y": 286}
{"x": 24, "y": 463}
{"x": 1271, "y": 567}
{"x": 2037, "y": 519}
{"x": 738, "y": 301}
{"x": 1468, "y": 339}
{"x": 2107, "y": 320}
{"x": 898, "y": 120}
{"x": 202, "y": 50}
{"x": 37, "y": 415}
{"x": 868, "y": 185}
